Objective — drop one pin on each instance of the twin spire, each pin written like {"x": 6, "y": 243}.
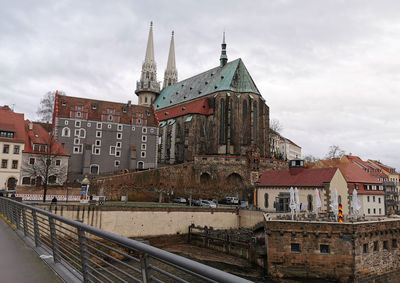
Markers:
{"x": 148, "y": 88}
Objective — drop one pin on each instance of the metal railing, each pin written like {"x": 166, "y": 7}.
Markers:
{"x": 101, "y": 256}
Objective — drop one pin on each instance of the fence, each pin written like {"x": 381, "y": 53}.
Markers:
{"x": 100, "y": 256}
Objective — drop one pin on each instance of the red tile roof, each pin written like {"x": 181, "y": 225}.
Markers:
{"x": 39, "y": 135}
{"x": 351, "y": 171}
{"x": 297, "y": 177}
{"x": 14, "y": 122}
{"x": 193, "y": 107}
{"x": 128, "y": 113}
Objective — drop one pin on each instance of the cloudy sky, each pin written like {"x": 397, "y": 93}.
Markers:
{"x": 329, "y": 70}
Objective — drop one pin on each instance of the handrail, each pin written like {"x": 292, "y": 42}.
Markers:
{"x": 17, "y": 213}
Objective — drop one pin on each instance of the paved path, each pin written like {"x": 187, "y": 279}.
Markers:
{"x": 19, "y": 263}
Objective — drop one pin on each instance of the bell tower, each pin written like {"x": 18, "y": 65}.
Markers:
{"x": 148, "y": 88}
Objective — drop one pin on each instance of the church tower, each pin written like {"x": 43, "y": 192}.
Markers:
{"x": 223, "y": 59}
{"x": 171, "y": 74}
{"x": 148, "y": 88}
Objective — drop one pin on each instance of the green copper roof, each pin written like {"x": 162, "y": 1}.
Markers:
{"x": 231, "y": 77}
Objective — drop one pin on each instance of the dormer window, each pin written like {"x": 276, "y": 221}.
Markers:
{"x": 7, "y": 134}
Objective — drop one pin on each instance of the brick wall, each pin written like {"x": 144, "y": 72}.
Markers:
{"x": 346, "y": 260}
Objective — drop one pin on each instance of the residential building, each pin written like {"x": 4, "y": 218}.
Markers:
{"x": 43, "y": 157}
{"x": 104, "y": 136}
{"x": 382, "y": 173}
{"x": 11, "y": 147}
{"x": 369, "y": 189}
{"x": 283, "y": 148}
{"x": 273, "y": 187}
{"x": 392, "y": 185}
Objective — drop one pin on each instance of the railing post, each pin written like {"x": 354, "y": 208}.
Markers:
{"x": 18, "y": 216}
{"x": 54, "y": 242}
{"x": 83, "y": 251}
{"x": 36, "y": 229}
{"x": 23, "y": 210}
{"x": 145, "y": 267}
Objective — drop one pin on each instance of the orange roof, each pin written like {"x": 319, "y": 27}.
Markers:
{"x": 39, "y": 135}
{"x": 351, "y": 171}
{"x": 12, "y": 122}
{"x": 193, "y": 107}
{"x": 297, "y": 177}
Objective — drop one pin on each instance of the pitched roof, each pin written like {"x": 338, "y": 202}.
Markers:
{"x": 12, "y": 122}
{"x": 371, "y": 168}
{"x": 233, "y": 76}
{"x": 299, "y": 177}
{"x": 39, "y": 135}
{"x": 96, "y": 108}
{"x": 199, "y": 106}
{"x": 351, "y": 171}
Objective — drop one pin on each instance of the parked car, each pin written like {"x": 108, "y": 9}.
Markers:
{"x": 179, "y": 200}
{"x": 230, "y": 201}
{"x": 196, "y": 202}
{"x": 207, "y": 203}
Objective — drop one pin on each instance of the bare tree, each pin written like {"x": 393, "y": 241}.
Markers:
{"x": 275, "y": 126}
{"x": 46, "y": 106}
{"x": 310, "y": 158}
{"x": 335, "y": 152}
{"x": 45, "y": 168}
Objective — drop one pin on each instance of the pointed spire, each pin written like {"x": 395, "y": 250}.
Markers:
{"x": 223, "y": 58}
{"x": 150, "y": 47}
{"x": 171, "y": 74}
{"x": 148, "y": 88}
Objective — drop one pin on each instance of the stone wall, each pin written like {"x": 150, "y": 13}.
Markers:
{"x": 146, "y": 221}
{"x": 208, "y": 176}
{"x": 344, "y": 261}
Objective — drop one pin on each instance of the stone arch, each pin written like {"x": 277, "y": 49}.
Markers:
{"x": 235, "y": 180}
{"x": 205, "y": 178}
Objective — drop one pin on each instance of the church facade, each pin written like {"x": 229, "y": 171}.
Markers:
{"x": 217, "y": 112}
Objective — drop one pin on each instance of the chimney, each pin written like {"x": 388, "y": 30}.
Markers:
{"x": 30, "y": 126}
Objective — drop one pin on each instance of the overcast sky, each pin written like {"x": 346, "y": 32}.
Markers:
{"x": 328, "y": 70}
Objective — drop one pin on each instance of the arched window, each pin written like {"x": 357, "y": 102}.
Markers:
{"x": 169, "y": 81}
{"x": 94, "y": 169}
{"x": 65, "y": 132}
{"x": 255, "y": 114}
{"x": 82, "y": 133}
{"x": 266, "y": 200}
{"x": 309, "y": 203}
{"x": 245, "y": 123}
{"x": 147, "y": 75}
{"x": 222, "y": 121}
{"x": 140, "y": 165}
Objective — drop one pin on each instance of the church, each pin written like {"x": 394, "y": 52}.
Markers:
{"x": 219, "y": 112}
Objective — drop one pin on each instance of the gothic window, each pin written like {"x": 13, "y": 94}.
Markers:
{"x": 222, "y": 121}
{"x": 255, "y": 121}
{"x": 309, "y": 203}
{"x": 266, "y": 200}
{"x": 245, "y": 123}
{"x": 169, "y": 81}
{"x": 147, "y": 75}
{"x": 145, "y": 99}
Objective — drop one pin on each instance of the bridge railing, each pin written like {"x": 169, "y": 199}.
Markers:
{"x": 101, "y": 256}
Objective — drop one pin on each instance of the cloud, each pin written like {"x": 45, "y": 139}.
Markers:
{"x": 327, "y": 69}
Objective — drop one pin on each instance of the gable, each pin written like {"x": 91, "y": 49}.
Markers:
{"x": 233, "y": 76}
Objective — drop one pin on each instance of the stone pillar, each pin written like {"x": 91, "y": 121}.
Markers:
{"x": 172, "y": 149}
